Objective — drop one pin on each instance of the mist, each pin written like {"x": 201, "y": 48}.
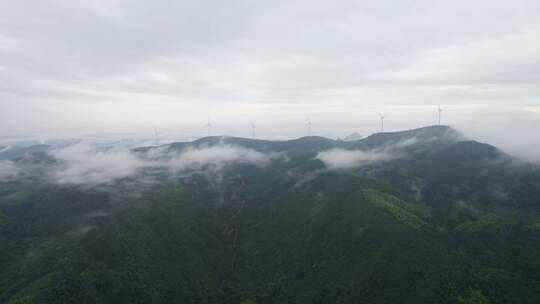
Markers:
{"x": 85, "y": 164}
{"x": 75, "y": 69}
{"x": 8, "y": 170}
{"x": 269, "y": 151}
{"x": 344, "y": 159}
{"x": 216, "y": 156}
{"x": 335, "y": 159}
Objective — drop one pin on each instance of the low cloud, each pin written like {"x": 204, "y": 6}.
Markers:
{"x": 84, "y": 164}
{"x": 343, "y": 159}
{"x": 217, "y": 156}
{"x": 408, "y": 142}
{"x": 8, "y": 170}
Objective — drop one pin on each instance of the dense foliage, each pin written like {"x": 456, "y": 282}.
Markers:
{"x": 448, "y": 221}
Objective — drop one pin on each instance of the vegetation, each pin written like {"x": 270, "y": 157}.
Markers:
{"x": 430, "y": 227}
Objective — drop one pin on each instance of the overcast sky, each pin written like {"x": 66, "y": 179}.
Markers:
{"x": 71, "y": 67}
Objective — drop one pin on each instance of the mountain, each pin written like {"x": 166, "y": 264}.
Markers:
{"x": 420, "y": 216}
{"x": 353, "y": 137}
{"x": 13, "y": 152}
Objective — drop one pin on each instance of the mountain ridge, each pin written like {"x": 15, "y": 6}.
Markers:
{"x": 419, "y": 216}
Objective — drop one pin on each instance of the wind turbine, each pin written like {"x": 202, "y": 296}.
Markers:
{"x": 209, "y": 127}
{"x": 253, "y": 130}
{"x": 382, "y": 121}
{"x": 440, "y": 111}
{"x": 156, "y": 136}
{"x": 309, "y": 126}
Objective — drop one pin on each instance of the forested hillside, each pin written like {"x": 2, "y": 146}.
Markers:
{"x": 421, "y": 216}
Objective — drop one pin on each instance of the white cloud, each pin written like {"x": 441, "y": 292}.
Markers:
{"x": 8, "y": 170}
{"x": 407, "y": 142}
{"x": 344, "y": 159}
{"x": 88, "y": 165}
{"x": 217, "y": 156}
{"x": 276, "y": 62}
{"x": 84, "y": 164}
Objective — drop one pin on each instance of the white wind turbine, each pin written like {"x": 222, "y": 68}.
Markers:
{"x": 156, "y": 136}
{"x": 209, "y": 127}
{"x": 253, "y": 130}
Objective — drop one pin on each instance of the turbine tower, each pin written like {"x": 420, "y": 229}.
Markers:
{"x": 382, "y": 121}
{"x": 156, "y": 136}
{"x": 209, "y": 127}
{"x": 253, "y": 130}
{"x": 309, "y": 126}
{"x": 440, "y": 111}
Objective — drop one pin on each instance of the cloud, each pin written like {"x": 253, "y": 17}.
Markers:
{"x": 84, "y": 164}
{"x": 408, "y": 142}
{"x": 8, "y": 170}
{"x": 217, "y": 157}
{"x": 344, "y": 159}
{"x": 88, "y": 165}
{"x": 275, "y": 62}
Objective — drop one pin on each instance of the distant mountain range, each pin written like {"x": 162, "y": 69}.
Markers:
{"x": 419, "y": 216}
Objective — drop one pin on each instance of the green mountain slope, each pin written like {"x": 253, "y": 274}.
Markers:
{"x": 438, "y": 219}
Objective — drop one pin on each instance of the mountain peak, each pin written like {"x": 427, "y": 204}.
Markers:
{"x": 435, "y": 130}
{"x": 424, "y": 134}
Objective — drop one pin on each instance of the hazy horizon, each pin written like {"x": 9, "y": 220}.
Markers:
{"x": 76, "y": 68}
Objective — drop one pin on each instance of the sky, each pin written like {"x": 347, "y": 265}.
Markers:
{"x": 72, "y": 68}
